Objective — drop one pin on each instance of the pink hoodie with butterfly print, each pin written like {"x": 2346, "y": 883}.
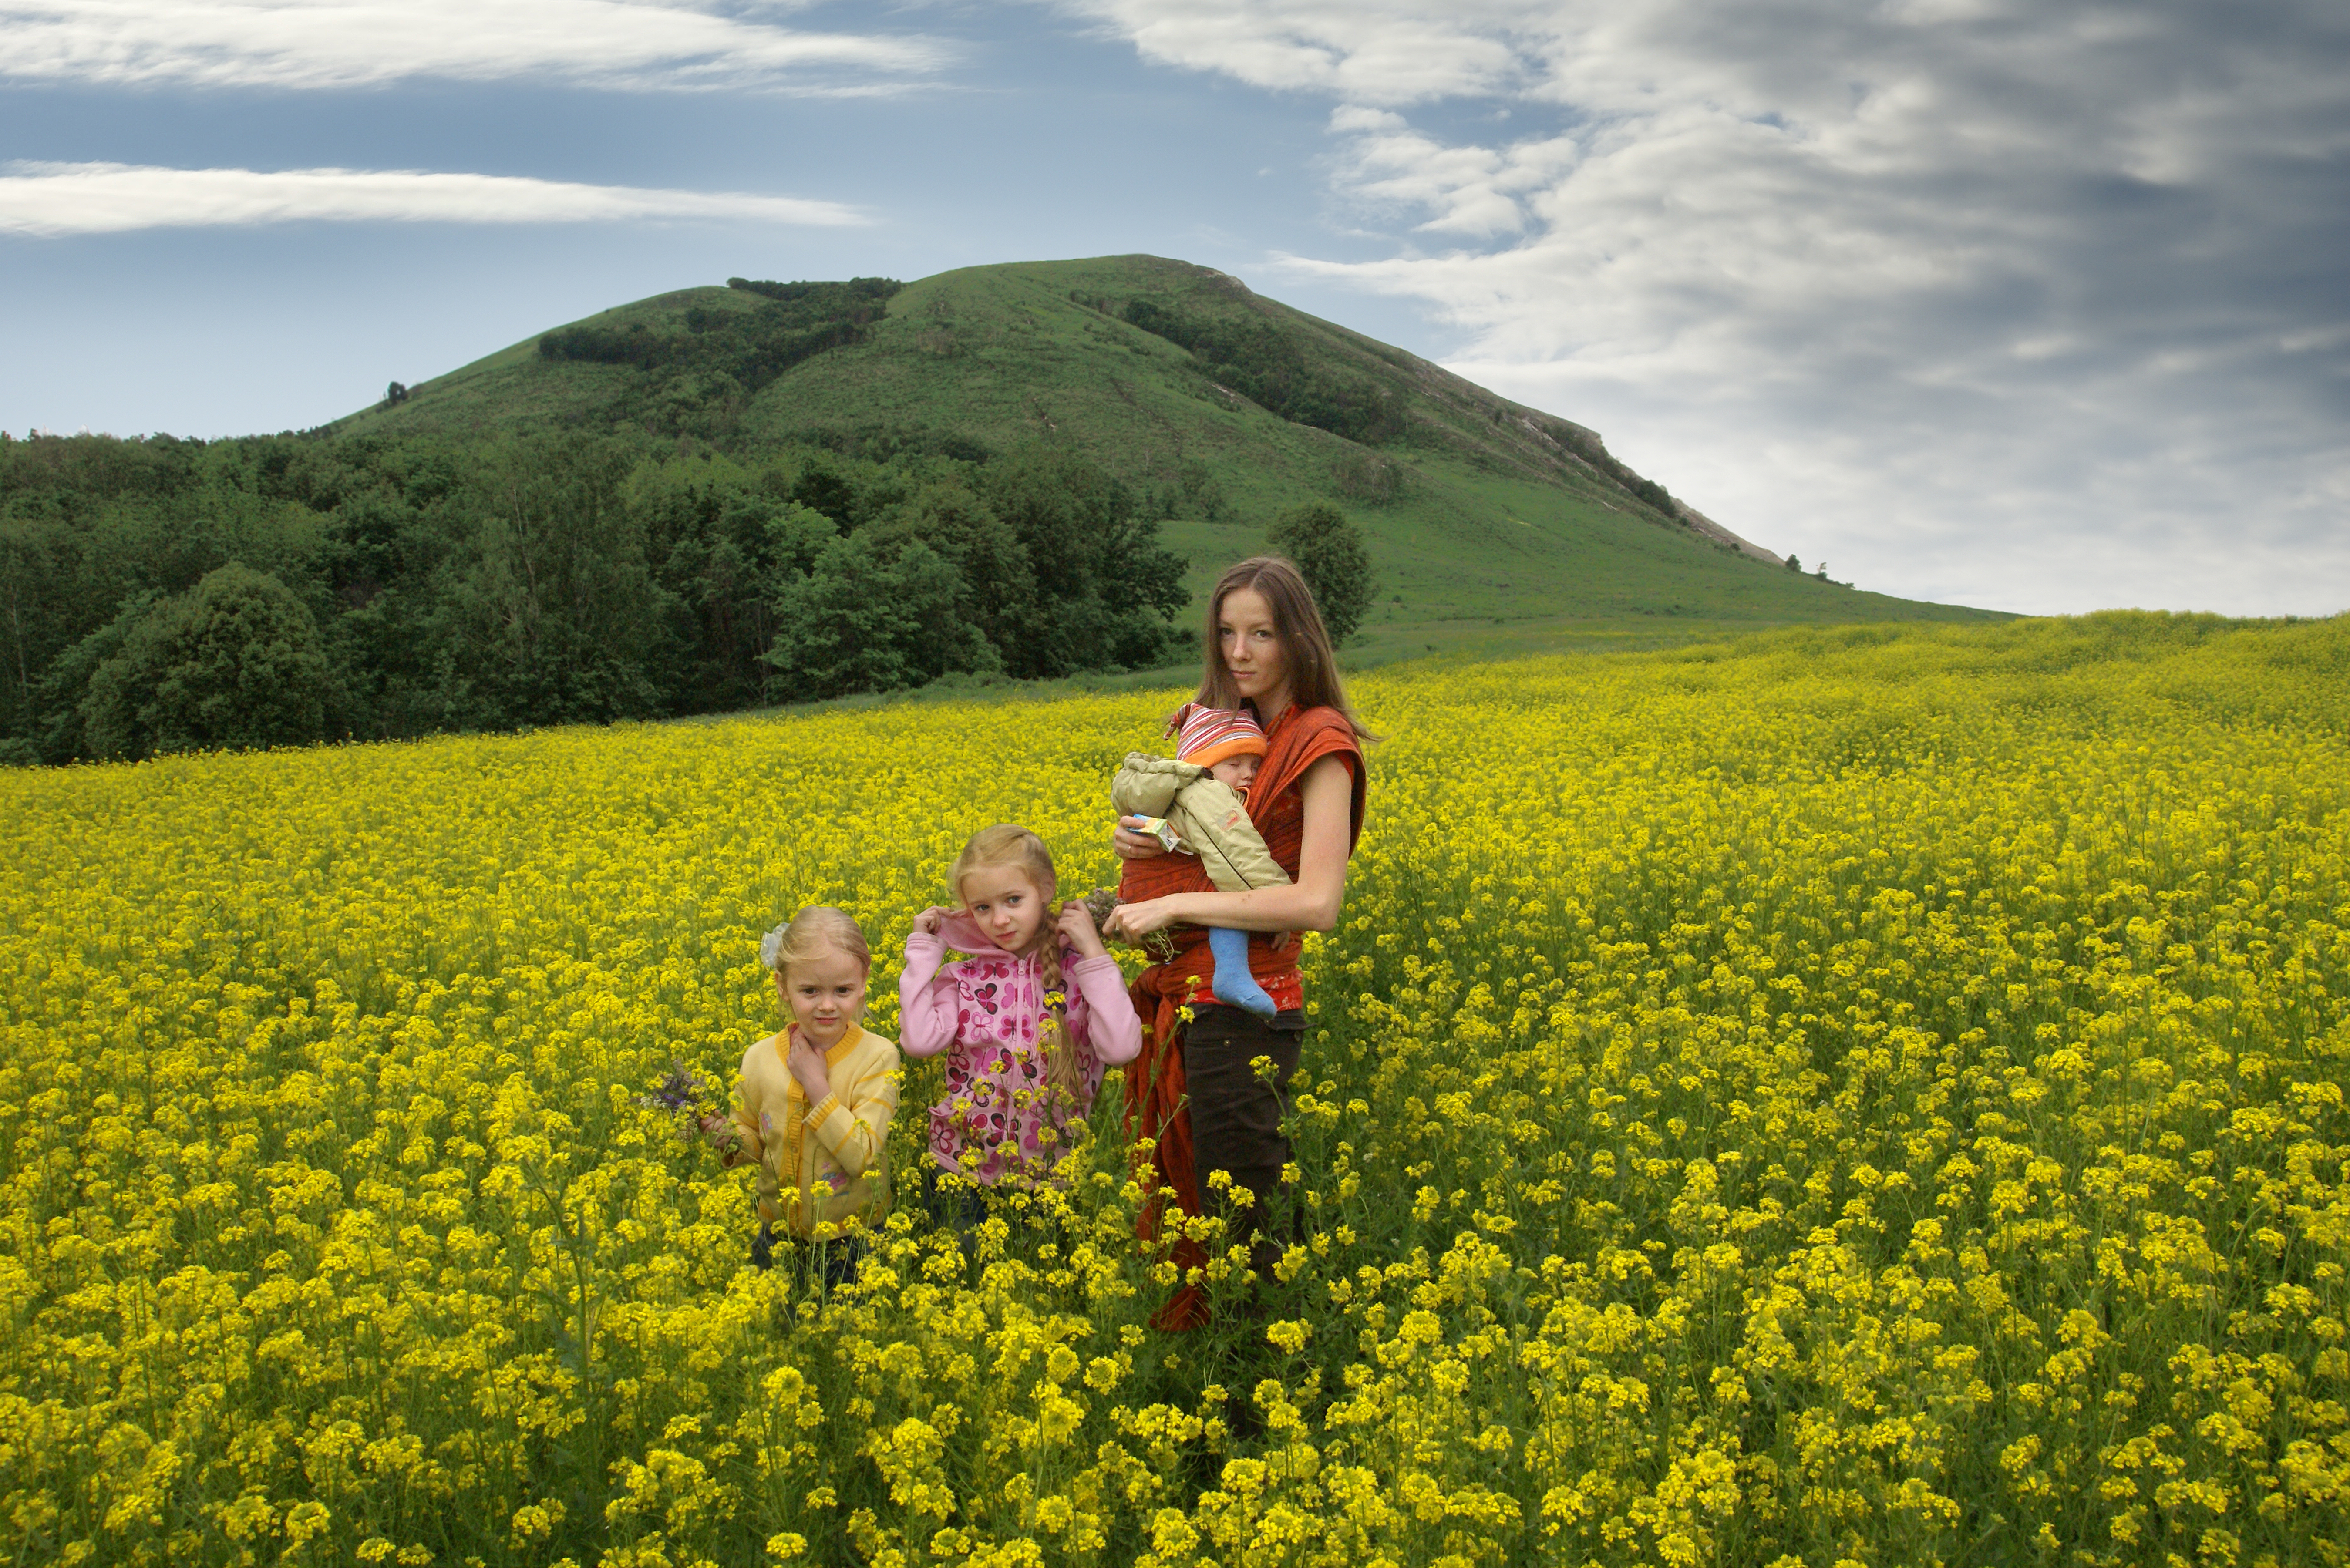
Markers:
{"x": 982, "y": 1012}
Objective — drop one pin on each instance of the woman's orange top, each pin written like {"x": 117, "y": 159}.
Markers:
{"x": 1299, "y": 739}
{"x": 1155, "y": 1106}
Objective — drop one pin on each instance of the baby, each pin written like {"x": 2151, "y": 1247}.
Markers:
{"x": 1196, "y": 805}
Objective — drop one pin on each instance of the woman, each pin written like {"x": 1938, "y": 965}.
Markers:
{"x": 1265, "y": 649}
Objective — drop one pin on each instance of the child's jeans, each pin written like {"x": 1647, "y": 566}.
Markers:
{"x": 959, "y": 1206}
{"x": 962, "y": 1206}
{"x": 834, "y": 1262}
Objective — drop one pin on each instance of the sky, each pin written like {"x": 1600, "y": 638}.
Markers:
{"x": 2042, "y": 306}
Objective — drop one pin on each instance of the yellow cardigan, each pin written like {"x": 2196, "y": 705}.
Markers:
{"x": 837, "y": 1151}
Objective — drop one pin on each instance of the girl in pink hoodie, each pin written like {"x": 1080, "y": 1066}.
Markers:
{"x": 1028, "y": 1020}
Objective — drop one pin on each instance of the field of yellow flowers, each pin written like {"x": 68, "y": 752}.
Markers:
{"x": 1844, "y": 1096}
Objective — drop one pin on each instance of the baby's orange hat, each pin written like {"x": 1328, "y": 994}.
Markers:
{"x": 1212, "y": 734}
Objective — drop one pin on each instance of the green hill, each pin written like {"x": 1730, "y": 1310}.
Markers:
{"x": 1219, "y": 405}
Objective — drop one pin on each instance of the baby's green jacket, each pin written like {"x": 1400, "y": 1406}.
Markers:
{"x": 1206, "y": 812}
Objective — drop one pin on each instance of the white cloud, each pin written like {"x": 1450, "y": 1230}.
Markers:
{"x": 50, "y": 199}
{"x": 1475, "y": 192}
{"x": 308, "y": 44}
{"x": 1370, "y": 51}
{"x": 2027, "y": 304}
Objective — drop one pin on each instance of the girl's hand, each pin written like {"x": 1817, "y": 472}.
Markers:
{"x": 806, "y": 1063}
{"x": 931, "y": 921}
{"x": 1077, "y": 927}
{"x": 718, "y": 1130}
{"x": 1133, "y": 845}
{"x": 1132, "y": 923}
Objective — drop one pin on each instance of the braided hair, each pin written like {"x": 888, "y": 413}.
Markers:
{"x": 1009, "y": 844}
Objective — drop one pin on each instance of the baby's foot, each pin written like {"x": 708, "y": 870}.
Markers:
{"x": 1234, "y": 985}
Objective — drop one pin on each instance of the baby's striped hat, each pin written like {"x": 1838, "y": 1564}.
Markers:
{"x": 1212, "y": 734}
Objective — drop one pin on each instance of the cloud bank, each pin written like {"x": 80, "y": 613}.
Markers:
{"x": 318, "y": 44}
{"x": 2039, "y": 306}
{"x": 52, "y": 200}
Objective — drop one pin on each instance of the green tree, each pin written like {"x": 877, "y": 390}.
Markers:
{"x": 558, "y": 617}
{"x": 235, "y": 661}
{"x": 875, "y": 613}
{"x": 1105, "y": 586}
{"x": 999, "y": 586}
{"x": 60, "y": 693}
{"x": 1794, "y": 562}
{"x": 720, "y": 543}
{"x": 1329, "y": 551}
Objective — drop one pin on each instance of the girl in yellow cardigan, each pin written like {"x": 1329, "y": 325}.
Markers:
{"x": 817, "y": 1098}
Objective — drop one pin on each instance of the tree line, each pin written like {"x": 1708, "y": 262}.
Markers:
{"x": 752, "y": 348}
{"x": 1266, "y": 363}
{"x": 698, "y": 381}
{"x": 160, "y": 594}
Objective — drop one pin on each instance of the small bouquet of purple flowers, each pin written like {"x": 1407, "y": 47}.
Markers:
{"x": 701, "y": 1117}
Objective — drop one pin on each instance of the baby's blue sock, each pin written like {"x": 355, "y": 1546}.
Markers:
{"x": 1235, "y": 986}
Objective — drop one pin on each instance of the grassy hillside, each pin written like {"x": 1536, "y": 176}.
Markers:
{"x": 1480, "y": 513}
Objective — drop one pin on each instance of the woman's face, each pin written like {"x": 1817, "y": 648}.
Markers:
{"x": 823, "y": 995}
{"x": 1254, "y": 654}
{"x": 1006, "y": 904}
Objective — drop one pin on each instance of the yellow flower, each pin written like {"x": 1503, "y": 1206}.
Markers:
{"x": 1790, "y": 1089}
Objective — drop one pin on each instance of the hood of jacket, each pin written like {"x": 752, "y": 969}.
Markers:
{"x": 964, "y": 936}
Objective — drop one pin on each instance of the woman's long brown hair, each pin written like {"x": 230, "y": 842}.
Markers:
{"x": 1306, "y": 655}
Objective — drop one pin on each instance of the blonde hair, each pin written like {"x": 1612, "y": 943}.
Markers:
{"x": 811, "y": 932}
{"x": 1009, "y": 844}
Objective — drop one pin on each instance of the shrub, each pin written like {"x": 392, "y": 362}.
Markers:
{"x": 1328, "y": 549}
{"x": 1202, "y": 496}
{"x": 876, "y": 615}
{"x": 233, "y": 662}
{"x": 1367, "y": 476}
{"x": 1651, "y": 495}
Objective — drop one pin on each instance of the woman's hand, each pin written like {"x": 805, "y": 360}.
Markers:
{"x": 1132, "y": 843}
{"x": 806, "y": 1063}
{"x": 1076, "y": 927}
{"x": 931, "y": 921}
{"x": 1132, "y": 923}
